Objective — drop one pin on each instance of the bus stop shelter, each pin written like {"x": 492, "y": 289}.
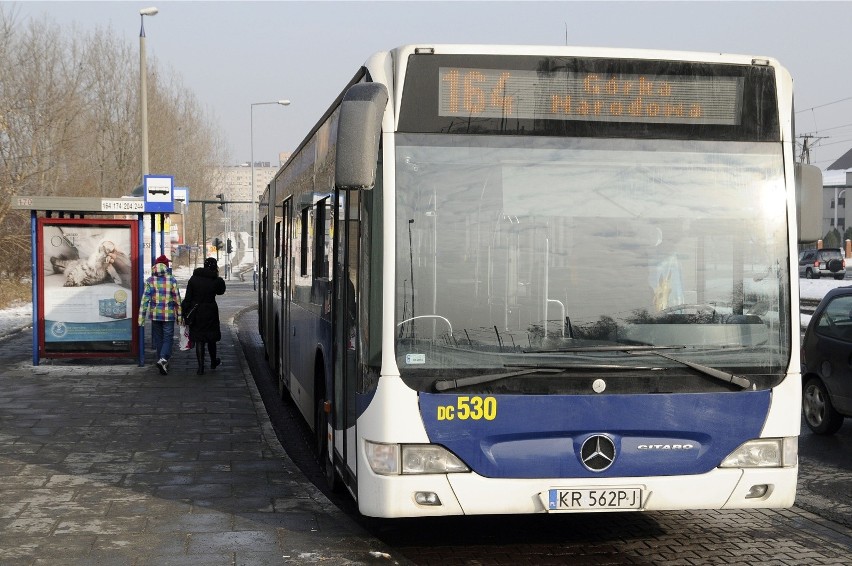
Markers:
{"x": 88, "y": 257}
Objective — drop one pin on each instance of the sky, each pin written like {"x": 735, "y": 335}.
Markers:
{"x": 235, "y": 54}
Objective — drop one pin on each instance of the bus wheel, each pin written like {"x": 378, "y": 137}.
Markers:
{"x": 332, "y": 480}
{"x": 321, "y": 430}
{"x": 323, "y": 457}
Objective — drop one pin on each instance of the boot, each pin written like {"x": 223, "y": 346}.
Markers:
{"x": 199, "y": 355}
{"x": 214, "y": 361}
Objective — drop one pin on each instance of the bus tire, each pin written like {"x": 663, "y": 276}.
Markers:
{"x": 279, "y": 364}
{"x": 332, "y": 480}
{"x": 330, "y": 474}
{"x": 320, "y": 431}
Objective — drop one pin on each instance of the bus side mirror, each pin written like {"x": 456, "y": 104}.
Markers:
{"x": 358, "y": 131}
{"x": 808, "y": 202}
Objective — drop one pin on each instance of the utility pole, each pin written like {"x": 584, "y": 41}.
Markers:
{"x": 805, "y": 156}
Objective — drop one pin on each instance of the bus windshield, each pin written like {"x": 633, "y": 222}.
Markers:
{"x": 541, "y": 265}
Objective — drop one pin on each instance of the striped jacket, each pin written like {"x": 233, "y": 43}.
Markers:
{"x": 161, "y": 298}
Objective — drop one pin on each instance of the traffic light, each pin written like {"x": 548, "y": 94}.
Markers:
{"x": 221, "y": 197}
{"x": 229, "y": 249}
{"x": 217, "y": 243}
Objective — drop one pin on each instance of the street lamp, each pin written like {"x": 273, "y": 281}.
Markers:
{"x": 836, "y": 206}
{"x": 143, "y": 88}
{"x": 253, "y": 192}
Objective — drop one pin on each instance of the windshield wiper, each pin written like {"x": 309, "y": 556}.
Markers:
{"x": 444, "y": 384}
{"x": 573, "y": 367}
{"x": 607, "y": 348}
{"x": 708, "y": 371}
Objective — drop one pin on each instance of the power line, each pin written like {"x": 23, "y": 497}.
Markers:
{"x": 827, "y": 129}
{"x": 844, "y": 140}
{"x": 824, "y": 105}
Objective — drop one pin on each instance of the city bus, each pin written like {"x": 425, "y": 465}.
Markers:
{"x": 506, "y": 279}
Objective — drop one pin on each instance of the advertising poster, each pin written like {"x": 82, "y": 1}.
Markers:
{"x": 88, "y": 288}
{"x": 162, "y": 240}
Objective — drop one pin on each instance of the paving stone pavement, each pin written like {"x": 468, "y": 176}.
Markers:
{"x": 106, "y": 462}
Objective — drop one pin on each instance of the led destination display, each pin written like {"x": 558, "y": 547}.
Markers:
{"x": 587, "y": 96}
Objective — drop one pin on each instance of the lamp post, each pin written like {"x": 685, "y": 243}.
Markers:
{"x": 836, "y": 206}
{"x": 253, "y": 192}
{"x": 143, "y": 88}
{"x": 143, "y": 109}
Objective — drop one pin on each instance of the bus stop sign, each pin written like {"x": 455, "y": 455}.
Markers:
{"x": 159, "y": 193}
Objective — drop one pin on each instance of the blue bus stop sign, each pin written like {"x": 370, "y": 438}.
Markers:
{"x": 159, "y": 193}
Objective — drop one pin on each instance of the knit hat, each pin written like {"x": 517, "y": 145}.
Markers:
{"x": 162, "y": 259}
{"x": 211, "y": 263}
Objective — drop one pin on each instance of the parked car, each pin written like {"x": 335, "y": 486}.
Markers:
{"x": 827, "y": 363}
{"x": 814, "y": 263}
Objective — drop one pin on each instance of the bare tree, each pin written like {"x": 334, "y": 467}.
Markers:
{"x": 69, "y": 115}
{"x": 40, "y": 79}
{"x": 109, "y": 155}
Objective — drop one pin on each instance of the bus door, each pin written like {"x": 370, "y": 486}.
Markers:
{"x": 283, "y": 338}
{"x": 346, "y": 278}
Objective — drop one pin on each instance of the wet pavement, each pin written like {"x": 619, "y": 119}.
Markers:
{"x": 106, "y": 462}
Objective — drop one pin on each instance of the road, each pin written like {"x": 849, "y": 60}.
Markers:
{"x": 825, "y": 474}
{"x": 817, "y": 530}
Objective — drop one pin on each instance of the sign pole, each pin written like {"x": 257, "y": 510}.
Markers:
{"x": 34, "y": 263}
{"x": 140, "y": 276}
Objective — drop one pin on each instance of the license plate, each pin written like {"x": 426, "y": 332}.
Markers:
{"x": 594, "y": 499}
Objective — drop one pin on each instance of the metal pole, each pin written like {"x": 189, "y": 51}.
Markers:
{"x": 140, "y": 276}
{"x": 143, "y": 98}
{"x": 227, "y": 238}
{"x": 253, "y": 195}
{"x": 143, "y": 88}
{"x": 35, "y": 288}
{"x": 834, "y": 226}
{"x": 203, "y": 230}
{"x": 183, "y": 211}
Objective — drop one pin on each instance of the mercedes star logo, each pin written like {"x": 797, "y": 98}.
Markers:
{"x": 597, "y": 453}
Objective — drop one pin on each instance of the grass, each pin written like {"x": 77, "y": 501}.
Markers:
{"x": 14, "y": 292}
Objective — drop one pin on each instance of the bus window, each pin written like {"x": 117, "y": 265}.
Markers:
{"x": 303, "y": 256}
{"x": 322, "y": 230}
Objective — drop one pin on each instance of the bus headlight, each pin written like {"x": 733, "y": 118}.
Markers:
{"x": 764, "y": 453}
{"x": 430, "y": 459}
{"x": 393, "y": 459}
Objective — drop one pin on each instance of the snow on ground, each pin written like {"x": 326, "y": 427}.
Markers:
{"x": 15, "y": 318}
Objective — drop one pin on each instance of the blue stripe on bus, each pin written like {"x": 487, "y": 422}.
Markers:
{"x": 526, "y": 436}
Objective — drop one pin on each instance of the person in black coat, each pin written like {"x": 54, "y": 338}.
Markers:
{"x": 201, "y": 312}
